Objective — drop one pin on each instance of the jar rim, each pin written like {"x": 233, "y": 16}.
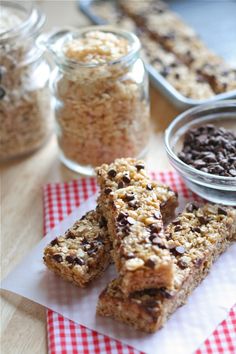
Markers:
{"x": 29, "y": 26}
{"x": 55, "y": 41}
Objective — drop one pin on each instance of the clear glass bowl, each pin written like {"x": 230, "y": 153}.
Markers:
{"x": 214, "y": 188}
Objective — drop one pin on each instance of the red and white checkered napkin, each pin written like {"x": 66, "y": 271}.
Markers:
{"x": 65, "y": 336}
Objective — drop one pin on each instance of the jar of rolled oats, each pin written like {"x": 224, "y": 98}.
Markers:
{"x": 24, "y": 93}
{"x": 101, "y": 102}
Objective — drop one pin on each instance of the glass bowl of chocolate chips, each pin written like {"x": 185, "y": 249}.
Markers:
{"x": 201, "y": 146}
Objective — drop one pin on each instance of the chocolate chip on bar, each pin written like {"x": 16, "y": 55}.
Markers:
{"x": 83, "y": 253}
{"x": 148, "y": 310}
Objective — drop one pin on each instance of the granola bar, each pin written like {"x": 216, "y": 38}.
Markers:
{"x": 136, "y": 229}
{"x": 221, "y": 77}
{"x": 83, "y": 253}
{"x": 185, "y": 80}
{"x": 131, "y": 204}
{"x": 198, "y": 237}
{"x": 166, "y": 28}
{"x": 131, "y": 172}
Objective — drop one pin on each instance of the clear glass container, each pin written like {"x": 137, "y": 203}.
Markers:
{"x": 217, "y": 189}
{"x": 25, "y": 118}
{"x": 101, "y": 108}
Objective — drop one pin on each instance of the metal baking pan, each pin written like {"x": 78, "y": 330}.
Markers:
{"x": 221, "y": 22}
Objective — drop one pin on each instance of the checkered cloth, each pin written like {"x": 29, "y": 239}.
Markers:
{"x": 67, "y": 337}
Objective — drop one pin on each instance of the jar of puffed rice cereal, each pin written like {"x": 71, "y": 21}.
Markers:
{"x": 24, "y": 93}
{"x": 100, "y": 89}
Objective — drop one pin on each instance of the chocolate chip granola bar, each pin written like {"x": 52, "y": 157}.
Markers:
{"x": 131, "y": 204}
{"x": 196, "y": 238}
{"x": 185, "y": 80}
{"x": 169, "y": 30}
{"x": 136, "y": 230}
{"x": 83, "y": 253}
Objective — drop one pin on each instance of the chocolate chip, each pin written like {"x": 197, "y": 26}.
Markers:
{"x": 196, "y": 229}
{"x": 199, "y": 163}
{"x": 78, "y": 261}
{"x": 191, "y": 207}
{"x": 155, "y": 240}
{"x": 84, "y": 242}
{"x": 168, "y": 36}
{"x": 222, "y": 211}
{"x": 182, "y": 264}
{"x": 122, "y": 215}
{"x": 165, "y": 71}
{"x": 126, "y": 179}
{"x": 70, "y": 234}
{"x": 111, "y": 173}
{"x": 102, "y": 222}
{"x": 176, "y": 222}
{"x": 69, "y": 259}
{"x": 126, "y": 230}
{"x": 149, "y": 187}
{"x": 157, "y": 215}
{"x": 178, "y": 250}
{"x": 123, "y": 222}
{"x": 133, "y": 204}
{"x": 177, "y": 76}
{"x": 92, "y": 251}
{"x": 202, "y": 220}
{"x": 232, "y": 172}
{"x": 152, "y": 237}
{"x": 2, "y": 93}
{"x": 58, "y": 258}
{"x": 168, "y": 236}
{"x": 155, "y": 228}
{"x": 54, "y": 242}
{"x": 131, "y": 221}
{"x": 129, "y": 197}
{"x": 129, "y": 255}
{"x": 107, "y": 190}
{"x": 121, "y": 185}
{"x": 177, "y": 228}
{"x": 140, "y": 166}
{"x": 150, "y": 263}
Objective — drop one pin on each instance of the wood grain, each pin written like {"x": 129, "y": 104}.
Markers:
{"x": 23, "y": 325}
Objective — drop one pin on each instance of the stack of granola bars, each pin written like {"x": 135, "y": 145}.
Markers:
{"x": 158, "y": 264}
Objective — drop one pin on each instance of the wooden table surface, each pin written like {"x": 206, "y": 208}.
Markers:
{"x": 23, "y": 323}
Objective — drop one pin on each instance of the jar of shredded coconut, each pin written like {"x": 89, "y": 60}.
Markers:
{"x": 24, "y": 94}
{"x": 101, "y": 102}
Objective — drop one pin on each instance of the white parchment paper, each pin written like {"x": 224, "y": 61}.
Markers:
{"x": 187, "y": 328}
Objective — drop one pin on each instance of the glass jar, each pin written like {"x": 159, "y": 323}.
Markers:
{"x": 100, "y": 96}
{"x": 24, "y": 74}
